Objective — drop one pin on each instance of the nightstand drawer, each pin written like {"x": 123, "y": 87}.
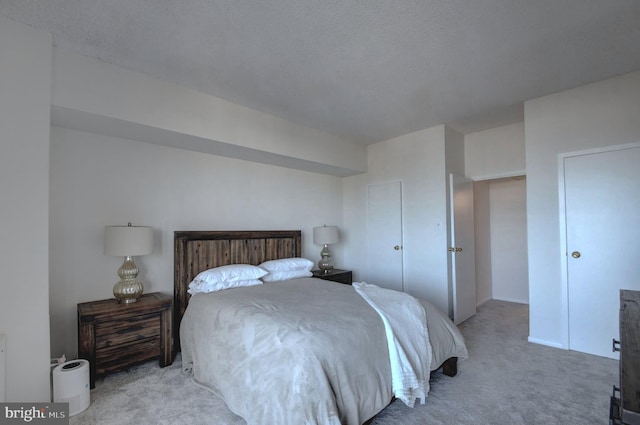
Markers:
{"x": 118, "y": 358}
{"x": 114, "y": 333}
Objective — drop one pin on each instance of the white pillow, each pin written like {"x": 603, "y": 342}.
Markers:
{"x": 287, "y": 264}
{"x": 286, "y": 275}
{"x": 200, "y": 286}
{"x": 232, "y": 272}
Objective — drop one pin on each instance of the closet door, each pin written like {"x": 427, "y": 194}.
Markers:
{"x": 384, "y": 235}
{"x": 602, "y": 200}
{"x": 462, "y": 249}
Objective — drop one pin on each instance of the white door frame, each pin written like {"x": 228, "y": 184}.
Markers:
{"x": 564, "y": 264}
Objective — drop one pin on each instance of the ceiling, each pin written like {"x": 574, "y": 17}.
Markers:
{"x": 366, "y": 70}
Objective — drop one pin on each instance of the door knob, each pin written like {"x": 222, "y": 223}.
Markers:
{"x": 575, "y": 254}
{"x": 397, "y": 247}
{"x": 458, "y": 249}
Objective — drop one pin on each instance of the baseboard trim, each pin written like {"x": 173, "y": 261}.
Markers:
{"x": 482, "y": 302}
{"x": 512, "y": 300}
{"x": 545, "y": 342}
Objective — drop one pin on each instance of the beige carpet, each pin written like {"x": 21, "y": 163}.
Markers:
{"x": 506, "y": 380}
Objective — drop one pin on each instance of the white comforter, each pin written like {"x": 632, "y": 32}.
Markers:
{"x": 304, "y": 351}
{"x": 405, "y": 325}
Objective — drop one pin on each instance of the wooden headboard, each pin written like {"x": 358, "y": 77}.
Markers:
{"x": 196, "y": 251}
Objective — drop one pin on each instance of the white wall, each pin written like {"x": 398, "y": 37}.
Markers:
{"x": 494, "y": 153}
{"x": 418, "y": 160}
{"x": 25, "y": 90}
{"x": 508, "y": 232}
{"x": 98, "y": 180}
{"x": 596, "y": 115}
{"x": 98, "y": 97}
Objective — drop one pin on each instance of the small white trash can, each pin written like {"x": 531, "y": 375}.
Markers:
{"x": 71, "y": 385}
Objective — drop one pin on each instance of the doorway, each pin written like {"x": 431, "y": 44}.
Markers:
{"x": 501, "y": 240}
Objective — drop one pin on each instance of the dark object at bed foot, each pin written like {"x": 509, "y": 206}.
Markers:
{"x": 625, "y": 401}
{"x": 450, "y": 366}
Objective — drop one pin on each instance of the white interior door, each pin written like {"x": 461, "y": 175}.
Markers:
{"x": 384, "y": 234}
{"x": 602, "y": 201}
{"x": 462, "y": 249}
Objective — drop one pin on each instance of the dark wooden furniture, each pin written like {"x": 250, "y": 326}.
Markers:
{"x": 626, "y": 409}
{"x": 334, "y": 275}
{"x": 113, "y": 336}
{"x": 196, "y": 251}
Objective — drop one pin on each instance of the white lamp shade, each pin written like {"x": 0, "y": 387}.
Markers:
{"x": 122, "y": 241}
{"x": 325, "y": 235}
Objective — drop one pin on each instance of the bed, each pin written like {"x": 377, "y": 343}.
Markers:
{"x": 290, "y": 352}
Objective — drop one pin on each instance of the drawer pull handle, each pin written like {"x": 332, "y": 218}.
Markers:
{"x": 616, "y": 345}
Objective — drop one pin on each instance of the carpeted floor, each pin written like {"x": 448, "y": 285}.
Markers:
{"x": 506, "y": 380}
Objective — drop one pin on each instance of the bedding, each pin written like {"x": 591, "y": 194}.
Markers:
{"x": 225, "y": 277}
{"x": 302, "y": 351}
{"x": 286, "y": 275}
{"x": 287, "y": 264}
{"x": 405, "y": 327}
{"x": 286, "y": 268}
{"x": 230, "y": 273}
{"x": 203, "y": 286}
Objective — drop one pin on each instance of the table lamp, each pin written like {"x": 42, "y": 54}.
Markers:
{"x": 128, "y": 241}
{"x": 325, "y": 235}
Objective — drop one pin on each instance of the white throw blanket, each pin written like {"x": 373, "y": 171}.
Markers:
{"x": 410, "y": 353}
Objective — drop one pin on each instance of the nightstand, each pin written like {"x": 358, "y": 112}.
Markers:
{"x": 114, "y": 337}
{"x": 335, "y": 275}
